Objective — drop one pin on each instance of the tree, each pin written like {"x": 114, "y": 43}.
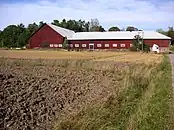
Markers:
{"x": 171, "y": 32}
{"x": 138, "y": 44}
{"x": 65, "y": 43}
{"x": 32, "y": 28}
{"x": 131, "y": 28}
{"x": 162, "y": 31}
{"x": 10, "y": 36}
{"x": 94, "y": 25}
{"x": 41, "y": 23}
{"x": 114, "y": 29}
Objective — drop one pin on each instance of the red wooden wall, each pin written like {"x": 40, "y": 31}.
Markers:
{"x": 45, "y": 35}
{"x": 103, "y": 42}
{"x": 161, "y": 43}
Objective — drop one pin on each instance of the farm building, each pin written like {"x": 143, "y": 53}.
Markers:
{"x": 52, "y": 36}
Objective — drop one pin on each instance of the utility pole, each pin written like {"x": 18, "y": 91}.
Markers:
{"x": 138, "y": 39}
{"x": 142, "y": 40}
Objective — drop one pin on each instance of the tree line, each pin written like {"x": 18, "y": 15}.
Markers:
{"x": 17, "y": 35}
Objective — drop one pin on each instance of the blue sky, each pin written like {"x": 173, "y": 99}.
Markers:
{"x": 143, "y": 14}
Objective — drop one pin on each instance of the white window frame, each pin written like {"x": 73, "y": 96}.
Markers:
{"x": 114, "y": 45}
{"x": 55, "y": 45}
{"x": 51, "y": 45}
{"x": 83, "y": 45}
{"x": 106, "y": 45}
{"x": 122, "y": 45}
{"x": 76, "y": 45}
{"x": 99, "y": 45}
{"x": 60, "y": 45}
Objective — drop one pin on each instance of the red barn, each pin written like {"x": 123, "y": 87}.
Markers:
{"x": 52, "y": 36}
{"x": 49, "y": 35}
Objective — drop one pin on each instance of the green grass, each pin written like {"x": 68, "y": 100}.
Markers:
{"x": 142, "y": 103}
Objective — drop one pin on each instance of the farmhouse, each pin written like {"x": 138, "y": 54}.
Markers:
{"x": 52, "y": 36}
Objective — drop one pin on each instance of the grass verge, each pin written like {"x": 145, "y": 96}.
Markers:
{"x": 142, "y": 103}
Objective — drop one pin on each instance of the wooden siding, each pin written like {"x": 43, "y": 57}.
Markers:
{"x": 161, "y": 43}
{"x": 45, "y": 35}
{"x": 102, "y": 42}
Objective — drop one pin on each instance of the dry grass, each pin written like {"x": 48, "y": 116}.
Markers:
{"x": 135, "y": 57}
{"x": 48, "y": 54}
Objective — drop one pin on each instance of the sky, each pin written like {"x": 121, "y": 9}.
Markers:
{"x": 143, "y": 14}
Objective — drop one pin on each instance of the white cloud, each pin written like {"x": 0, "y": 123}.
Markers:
{"x": 142, "y": 14}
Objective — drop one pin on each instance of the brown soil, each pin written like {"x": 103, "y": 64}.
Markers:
{"x": 34, "y": 96}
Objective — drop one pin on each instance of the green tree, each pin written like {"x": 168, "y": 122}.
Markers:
{"x": 41, "y": 23}
{"x": 138, "y": 44}
{"x": 162, "y": 31}
{"x": 32, "y": 28}
{"x": 131, "y": 28}
{"x": 65, "y": 43}
{"x": 171, "y": 32}
{"x": 114, "y": 29}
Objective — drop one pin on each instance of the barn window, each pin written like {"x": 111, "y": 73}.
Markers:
{"x": 51, "y": 45}
{"x": 114, "y": 45}
{"x": 76, "y": 45}
{"x": 99, "y": 45}
{"x": 60, "y": 45}
{"x": 131, "y": 45}
{"x": 106, "y": 45}
{"x": 122, "y": 45}
{"x": 55, "y": 45}
{"x": 83, "y": 45}
{"x": 71, "y": 45}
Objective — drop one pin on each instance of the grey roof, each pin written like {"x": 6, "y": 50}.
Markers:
{"x": 62, "y": 31}
{"x": 117, "y": 35}
{"x": 71, "y": 35}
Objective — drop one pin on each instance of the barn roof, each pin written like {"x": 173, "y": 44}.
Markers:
{"x": 71, "y": 35}
{"x": 116, "y": 35}
{"x": 62, "y": 31}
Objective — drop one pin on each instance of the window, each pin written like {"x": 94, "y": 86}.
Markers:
{"x": 55, "y": 45}
{"x": 51, "y": 45}
{"x": 122, "y": 45}
{"x": 76, "y": 45}
{"x": 71, "y": 45}
{"x": 99, "y": 45}
{"x": 131, "y": 45}
{"x": 114, "y": 45}
{"x": 106, "y": 45}
{"x": 83, "y": 45}
{"x": 60, "y": 45}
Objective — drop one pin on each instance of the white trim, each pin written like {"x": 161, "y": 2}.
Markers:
{"x": 99, "y": 45}
{"x": 122, "y": 45}
{"x": 76, "y": 45}
{"x": 83, "y": 45}
{"x": 114, "y": 45}
{"x": 106, "y": 45}
{"x": 92, "y": 45}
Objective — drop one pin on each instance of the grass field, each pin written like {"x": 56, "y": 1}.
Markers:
{"x": 96, "y": 56}
{"x": 86, "y": 90}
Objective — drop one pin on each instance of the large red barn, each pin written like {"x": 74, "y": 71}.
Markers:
{"x": 53, "y": 37}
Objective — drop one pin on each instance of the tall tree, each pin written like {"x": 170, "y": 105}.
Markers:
{"x": 114, "y": 29}
{"x": 171, "y": 32}
{"x": 32, "y": 28}
{"x": 94, "y": 25}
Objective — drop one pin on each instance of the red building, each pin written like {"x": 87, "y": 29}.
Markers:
{"x": 53, "y": 37}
